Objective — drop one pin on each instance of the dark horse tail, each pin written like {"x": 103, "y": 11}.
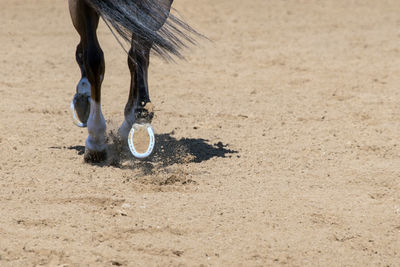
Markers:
{"x": 143, "y": 19}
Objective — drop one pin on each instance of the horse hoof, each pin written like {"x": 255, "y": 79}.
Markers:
{"x": 95, "y": 156}
{"x": 139, "y": 136}
{"x": 80, "y": 107}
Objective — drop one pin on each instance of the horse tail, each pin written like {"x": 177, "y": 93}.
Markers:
{"x": 149, "y": 21}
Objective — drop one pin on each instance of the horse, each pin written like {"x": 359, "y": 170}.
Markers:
{"x": 146, "y": 25}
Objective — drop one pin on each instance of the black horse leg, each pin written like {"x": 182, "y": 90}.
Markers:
{"x": 91, "y": 60}
{"x": 137, "y": 108}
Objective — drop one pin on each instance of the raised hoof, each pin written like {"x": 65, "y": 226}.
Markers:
{"x": 81, "y": 106}
{"x": 144, "y": 134}
{"x": 95, "y": 156}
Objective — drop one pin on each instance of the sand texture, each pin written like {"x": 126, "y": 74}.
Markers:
{"x": 277, "y": 141}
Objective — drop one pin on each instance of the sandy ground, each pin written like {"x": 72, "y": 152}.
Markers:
{"x": 278, "y": 143}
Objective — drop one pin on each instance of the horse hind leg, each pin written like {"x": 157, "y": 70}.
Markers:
{"x": 91, "y": 56}
{"x": 138, "y": 108}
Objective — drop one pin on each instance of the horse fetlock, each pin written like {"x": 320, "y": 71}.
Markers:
{"x": 96, "y": 143}
{"x": 97, "y": 135}
{"x": 96, "y": 128}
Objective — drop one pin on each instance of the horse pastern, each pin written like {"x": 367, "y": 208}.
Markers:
{"x": 145, "y": 113}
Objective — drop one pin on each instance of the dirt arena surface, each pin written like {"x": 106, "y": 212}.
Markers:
{"x": 278, "y": 143}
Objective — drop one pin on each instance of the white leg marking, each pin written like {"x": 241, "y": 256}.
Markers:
{"x": 96, "y": 124}
{"x": 126, "y": 126}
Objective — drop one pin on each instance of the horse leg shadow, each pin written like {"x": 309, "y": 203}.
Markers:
{"x": 168, "y": 151}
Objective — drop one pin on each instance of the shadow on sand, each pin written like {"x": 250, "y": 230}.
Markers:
{"x": 168, "y": 151}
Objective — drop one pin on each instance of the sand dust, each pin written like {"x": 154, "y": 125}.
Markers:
{"x": 277, "y": 143}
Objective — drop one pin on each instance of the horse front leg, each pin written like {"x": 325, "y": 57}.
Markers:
{"x": 95, "y": 150}
{"x": 89, "y": 53}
